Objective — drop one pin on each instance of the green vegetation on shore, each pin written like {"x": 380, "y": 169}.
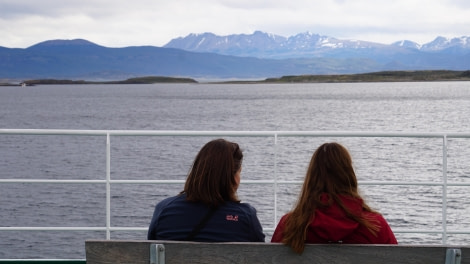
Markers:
{"x": 384, "y": 76}
{"x": 138, "y": 80}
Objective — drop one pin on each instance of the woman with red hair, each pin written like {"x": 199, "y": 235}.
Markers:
{"x": 329, "y": 208}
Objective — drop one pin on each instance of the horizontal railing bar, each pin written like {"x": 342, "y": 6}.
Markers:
{"x": 42, "y": 260}
{"x": 233, "y": 133}
{"x": 413, "y": 183}
{"x": 53, "y": 132}
{"x": 88, "y": 181}
{"x": 148, "y": 181}
{"x": 20, "y": 228}
{"x": 49, "y": 181}
{"x": 423, "y": 231}
{"x": 369, "y": 134}
{"x": 51, "y": 228}
{"x": 403, "y": 183}
{"x": 69, "y": 228}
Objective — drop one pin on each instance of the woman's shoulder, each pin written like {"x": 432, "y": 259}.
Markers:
{"x": 244, "y": 207}
{"x": 170, "y": 200}
{"x": 386, "y": 235}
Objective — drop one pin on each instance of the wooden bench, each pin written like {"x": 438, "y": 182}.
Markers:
{"x": 168, "y": 252}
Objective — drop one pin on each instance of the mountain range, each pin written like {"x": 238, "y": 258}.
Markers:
{"x": 305, "y": 45}
{"x": 208, "y": 56}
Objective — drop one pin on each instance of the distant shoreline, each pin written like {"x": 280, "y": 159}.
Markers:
{"x": 384, "y": 76}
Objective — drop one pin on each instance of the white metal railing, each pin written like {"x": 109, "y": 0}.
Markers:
{"x": 275, "y": 134}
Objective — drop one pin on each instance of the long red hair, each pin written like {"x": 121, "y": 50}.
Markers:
{"x": 330, "y": 171}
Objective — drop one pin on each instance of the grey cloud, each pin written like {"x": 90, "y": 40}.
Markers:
{"x": 465, "y": 4}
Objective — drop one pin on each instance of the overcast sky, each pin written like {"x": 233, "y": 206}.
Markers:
{"x": 121, "y": 23}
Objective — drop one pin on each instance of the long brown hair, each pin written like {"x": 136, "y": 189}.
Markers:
{"x": 330, "y": 171}
{"x": 211, "y": 179}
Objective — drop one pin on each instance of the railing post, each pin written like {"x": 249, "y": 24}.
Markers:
{"x": 108, "y": 186}
{"x": 275, "y": 179}
{"x": 444, "y": 190}
{"x": 453, "y": 256}
{"x": 157, "y": 254}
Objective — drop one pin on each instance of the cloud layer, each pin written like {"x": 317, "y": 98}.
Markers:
{"x": 155, "y": 22}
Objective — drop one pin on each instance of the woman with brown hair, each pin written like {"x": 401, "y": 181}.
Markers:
{"x": 329, "y": 208}
{"x": 208, "y": 209}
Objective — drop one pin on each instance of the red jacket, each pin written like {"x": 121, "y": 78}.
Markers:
{"x": 331, "y": 225}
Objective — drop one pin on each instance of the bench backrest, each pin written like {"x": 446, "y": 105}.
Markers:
{"x": 168, "y": 252}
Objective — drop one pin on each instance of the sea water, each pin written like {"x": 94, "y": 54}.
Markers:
{"x": 373, "y": 107}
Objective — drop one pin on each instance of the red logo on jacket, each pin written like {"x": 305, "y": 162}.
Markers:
{"x": 232, "y": 217}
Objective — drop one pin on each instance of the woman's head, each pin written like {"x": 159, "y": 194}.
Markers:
{"x": 214, "y": 175}
{"x": 331, "y": 171}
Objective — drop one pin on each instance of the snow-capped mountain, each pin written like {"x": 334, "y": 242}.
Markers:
{"x": 264, "y": 45}
{"x": 407, "y": 44}
{"x": 452, "y": 44}
{"x": 237, "y": 45}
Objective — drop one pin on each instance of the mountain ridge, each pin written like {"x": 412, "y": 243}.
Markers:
{"x": 242, "y": 56}
{"x": 307, "y": 44}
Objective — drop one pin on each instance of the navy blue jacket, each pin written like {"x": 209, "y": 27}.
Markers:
{"x": 174, "y": 218}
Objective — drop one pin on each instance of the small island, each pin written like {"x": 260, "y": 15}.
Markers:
{"x": 138, "y": 80}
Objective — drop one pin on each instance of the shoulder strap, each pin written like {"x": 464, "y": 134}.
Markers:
{"x": 201, "y": 224}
